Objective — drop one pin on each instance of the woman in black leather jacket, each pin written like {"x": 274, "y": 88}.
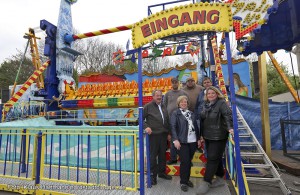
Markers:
{"x": 216, "y": 124}
{"x": 186, "y": 139}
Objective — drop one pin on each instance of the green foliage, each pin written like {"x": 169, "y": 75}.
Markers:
{"x": 107, "y": 69}
{"x": 276, "y": 85}
{"x": 129, "y": 66}
{"x": 9, "y": 71}
{"x": 75, "y": 76}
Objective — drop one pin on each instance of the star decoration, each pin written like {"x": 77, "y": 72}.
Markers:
{"x": 118, "y": 57}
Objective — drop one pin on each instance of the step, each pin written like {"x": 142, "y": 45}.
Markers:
{"x": 197, "y": 170}
{"x": 252, "y": 154}
{"x": 197, "y": 158}
{"x": 248, "y": 144}
{"x": 263, "y": 179}
{"x": 263, "y": 166}
{"x": 245, "y": 135}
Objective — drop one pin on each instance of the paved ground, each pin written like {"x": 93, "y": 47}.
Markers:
{"x": 284, "y": 97}
{"x": 255, "y": 188}
{"x": 259, "y": 189}
{"x": 164, "y": 187}
{"x": 172, "y": 187}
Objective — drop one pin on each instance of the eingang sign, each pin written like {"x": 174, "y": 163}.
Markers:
{"x": 183, "y": 19}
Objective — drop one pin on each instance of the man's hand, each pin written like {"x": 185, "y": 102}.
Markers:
{"x": 177, "y": 144}
{"x": 148, "y": 130}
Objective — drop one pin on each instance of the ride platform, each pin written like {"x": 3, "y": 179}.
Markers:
{"x": 291, "y": 165}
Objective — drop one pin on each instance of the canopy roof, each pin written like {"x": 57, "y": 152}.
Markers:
{"x": 281, "y": 32}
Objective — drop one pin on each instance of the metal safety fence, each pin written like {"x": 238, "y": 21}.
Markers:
{"x": 49, "y": 160}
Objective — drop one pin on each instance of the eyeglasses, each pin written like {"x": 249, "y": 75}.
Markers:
{"x": 190, "y": 81}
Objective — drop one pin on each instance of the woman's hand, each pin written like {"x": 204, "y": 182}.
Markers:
{"x": 202, "y": 139}
{"x": 231, "y": 132}
{"x": 199, "y": 143}
{"x": 177, "y": 144}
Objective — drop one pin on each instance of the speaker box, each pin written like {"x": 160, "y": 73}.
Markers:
{"x": 255, "y": 77}
{"x": 4, "y": 95}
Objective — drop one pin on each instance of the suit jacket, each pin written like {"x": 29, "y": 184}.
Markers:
{"x": 153, "y": 119}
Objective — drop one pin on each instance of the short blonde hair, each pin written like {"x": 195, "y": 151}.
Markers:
{"x": 218, "y": 92}
{"x": 182, "y": 97}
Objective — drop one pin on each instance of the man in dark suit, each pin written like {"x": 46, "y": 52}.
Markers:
{"x": 156, "y": 124}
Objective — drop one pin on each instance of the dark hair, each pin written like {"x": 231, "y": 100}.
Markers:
{"x": 206, "y": 78}
{"x": 174, "y": 79}
{"x": 236, "y": 76}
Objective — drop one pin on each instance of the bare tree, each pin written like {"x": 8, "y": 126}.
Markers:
{"x": 182, "y": 59}
{"x": 157, "y": 64}
{"x": 96, "y": 54}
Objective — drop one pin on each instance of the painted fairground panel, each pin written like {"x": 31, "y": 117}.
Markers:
{"x": 114, "y": 152}
{"x": 240, "y": 69}
{"x": 109, "y": 116}
{"x": 181, "y": 71}
{"x": 241, "y": 76}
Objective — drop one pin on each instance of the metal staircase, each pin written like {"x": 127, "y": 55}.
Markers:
{"x": 257, "y": 165}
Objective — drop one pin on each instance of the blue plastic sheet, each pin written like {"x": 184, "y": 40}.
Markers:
{"x": 250, "y": 109}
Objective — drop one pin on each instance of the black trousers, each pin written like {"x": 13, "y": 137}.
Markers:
{"x": 214, "y": 165}
{"x": 186, "y": 154}
{"x": 158, "y": 146}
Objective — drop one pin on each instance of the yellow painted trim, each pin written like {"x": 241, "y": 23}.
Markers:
{"x": 135, "y": 162}
{"x": 34, "y": 157}
{"x": 284, "y": 77}
{"x": 264, "y": 104}
{"x": 182, "y": 19}
{"x": 50, "y": 192}
{"x": 245, "y": 180}
{"x": 11, "y": 188}
{"x": 91, "y": 184}
{"x": 27, "y": 145}
{"x": 235, "y": 186}
{"x": 42, "y": 156}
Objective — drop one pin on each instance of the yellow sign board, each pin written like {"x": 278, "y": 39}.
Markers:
{"x": 182, "y": 19}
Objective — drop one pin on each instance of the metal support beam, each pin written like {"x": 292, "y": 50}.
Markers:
{"x": 264, "y": 105}
{"x": 284, "y": 77}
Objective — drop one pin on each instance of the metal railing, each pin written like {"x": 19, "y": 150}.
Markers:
{"x": 230, "y": 155}
{"x": 22, "y": 110}
{"x": 287, "y": 138}
{"x": 72, "y": 158}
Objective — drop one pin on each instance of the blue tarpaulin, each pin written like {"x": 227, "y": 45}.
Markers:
{"x": 250, "y": 109}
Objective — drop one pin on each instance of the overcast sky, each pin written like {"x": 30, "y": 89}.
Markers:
{"x": 16, "y": 16}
